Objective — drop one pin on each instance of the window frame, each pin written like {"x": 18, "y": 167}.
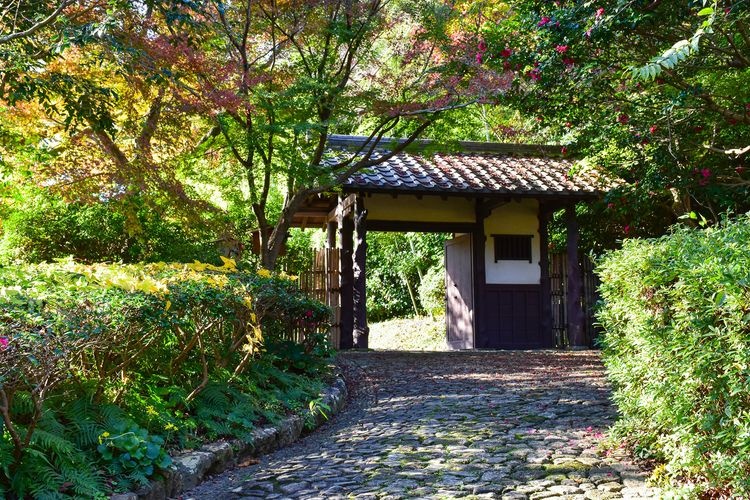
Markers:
{"x": 514, "y": 247}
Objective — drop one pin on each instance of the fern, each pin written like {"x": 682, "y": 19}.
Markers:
{"x": 53, "y": 443}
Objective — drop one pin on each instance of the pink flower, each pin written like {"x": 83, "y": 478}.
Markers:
{"x": 506, "y": 53}
{"x": 626, "y": 229}
{"x": 534, "y": 74}
{"x": 568, "y": 125}
{"x": 567, "y": 61}
{"x": 599, "y": 12}
{"x": 706, "y": 173}
{"x": 561, "y": 49}
{"x": 610, "y": 205}
{"x": 564, "y": 151}
{"x": 308, "y": 313}
{"x": 543, "y": 21}
{"x": 652, "y": 129}
{"x": 478, "y": 58}
{"x": 482, "y": 46}
{"x": 4, "y": 341}
{"x": 623, "y": 118}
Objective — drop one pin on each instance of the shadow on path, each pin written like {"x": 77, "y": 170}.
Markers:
{"x": 512, "y": 424}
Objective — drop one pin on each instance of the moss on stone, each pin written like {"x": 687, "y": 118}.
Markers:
{"x": 566, "y": 467}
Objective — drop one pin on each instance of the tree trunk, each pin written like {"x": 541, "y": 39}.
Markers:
{"x": 271, "y": 244}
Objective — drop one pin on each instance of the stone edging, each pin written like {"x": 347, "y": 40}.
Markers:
{"x": 189, "y": 469}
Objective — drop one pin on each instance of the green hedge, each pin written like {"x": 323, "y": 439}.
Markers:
{"x": 103, "y": 368}
{"x": 676, "y": 312}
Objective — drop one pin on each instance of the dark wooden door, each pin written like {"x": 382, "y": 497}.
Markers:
{"x": 512, "y": 318}
{"x": 459, "y": 314}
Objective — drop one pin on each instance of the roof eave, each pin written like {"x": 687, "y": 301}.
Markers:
{"x": 581, "y": 195}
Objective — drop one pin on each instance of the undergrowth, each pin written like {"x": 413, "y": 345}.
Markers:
{"x": 105, "y": 369}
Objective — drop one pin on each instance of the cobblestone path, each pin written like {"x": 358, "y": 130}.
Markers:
{"x": 509, "y": 425}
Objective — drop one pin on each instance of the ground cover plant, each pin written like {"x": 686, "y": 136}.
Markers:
{"x": 106, "y": 368}
{"x": 677, "y": 346}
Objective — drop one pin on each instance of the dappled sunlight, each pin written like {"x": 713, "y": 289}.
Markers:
{"x": 453, "y": 424}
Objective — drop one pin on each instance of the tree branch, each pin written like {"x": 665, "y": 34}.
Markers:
{"x": 41, "y": 24}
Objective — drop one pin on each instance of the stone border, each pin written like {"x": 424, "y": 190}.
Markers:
{"x": 189, "y": 469}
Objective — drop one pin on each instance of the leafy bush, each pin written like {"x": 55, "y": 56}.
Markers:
{"x": 107, "y": 363}
{"x": 396, "y": 266}
{"x": 432, "y": 291}
{"x": 45, "y": 227}
{"x": 676, "y": 314}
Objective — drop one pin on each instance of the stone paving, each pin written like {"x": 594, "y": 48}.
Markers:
{"x": 508, "y": 425}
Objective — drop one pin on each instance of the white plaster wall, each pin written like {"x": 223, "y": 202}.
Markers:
{"x": 411, "y": 208}
{"x": 512, "y": 218}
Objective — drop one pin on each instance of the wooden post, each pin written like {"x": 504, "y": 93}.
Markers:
{"x": 545, "y": 323}
{"x": 331, "y": 234}
{"x": 361, "y": 330}
{"x": 576, "y": 317}
{"x": 332, "y": 283}
{"x": 346, "y": 229}
{"x": 478, "y": 250}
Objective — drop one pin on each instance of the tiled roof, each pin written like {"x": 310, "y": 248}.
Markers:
{"x": 518, "y": 170}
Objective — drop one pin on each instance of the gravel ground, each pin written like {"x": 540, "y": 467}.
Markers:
{"x": 509, "y": 425}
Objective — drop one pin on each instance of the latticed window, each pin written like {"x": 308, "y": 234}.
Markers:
{"x": 512, "y": 246}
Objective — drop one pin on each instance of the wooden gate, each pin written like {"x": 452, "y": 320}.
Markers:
{"x": 558, "y": 286}
{"x": 459, "y": 311}
{"x": 322, "y": 284}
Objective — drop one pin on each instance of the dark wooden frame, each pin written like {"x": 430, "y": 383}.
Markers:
{"x": 346, "y": 246}
{"x": 360, "y": 329}
{"x": 545, "y": 215}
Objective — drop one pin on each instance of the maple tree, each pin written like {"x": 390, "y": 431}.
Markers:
{"x": 223, "y": 104}
{"x": 279, "y": 78}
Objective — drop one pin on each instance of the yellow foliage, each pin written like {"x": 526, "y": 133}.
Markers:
{"x": 248, "y": 301}
{"x": 264, "y": 273}
{"x": 229, "y": 264}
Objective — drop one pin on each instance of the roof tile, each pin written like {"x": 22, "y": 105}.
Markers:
{"x": 477, "y": 173}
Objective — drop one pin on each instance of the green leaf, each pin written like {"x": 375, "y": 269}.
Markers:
{"x": 152, "y": 451}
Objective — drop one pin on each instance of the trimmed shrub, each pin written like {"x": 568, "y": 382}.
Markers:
{"x": 102, "y": 367}
{"x": 676, "y": 315}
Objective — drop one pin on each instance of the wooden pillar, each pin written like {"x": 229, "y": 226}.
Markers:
{"x": 576, "y": 318}
{"x": 331, "y": 234}
{"x": 346, "y": 229}
{"x": 478, "y": 265}
{"x": 545, "y": 323}
{"x": 361, "y": 330}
